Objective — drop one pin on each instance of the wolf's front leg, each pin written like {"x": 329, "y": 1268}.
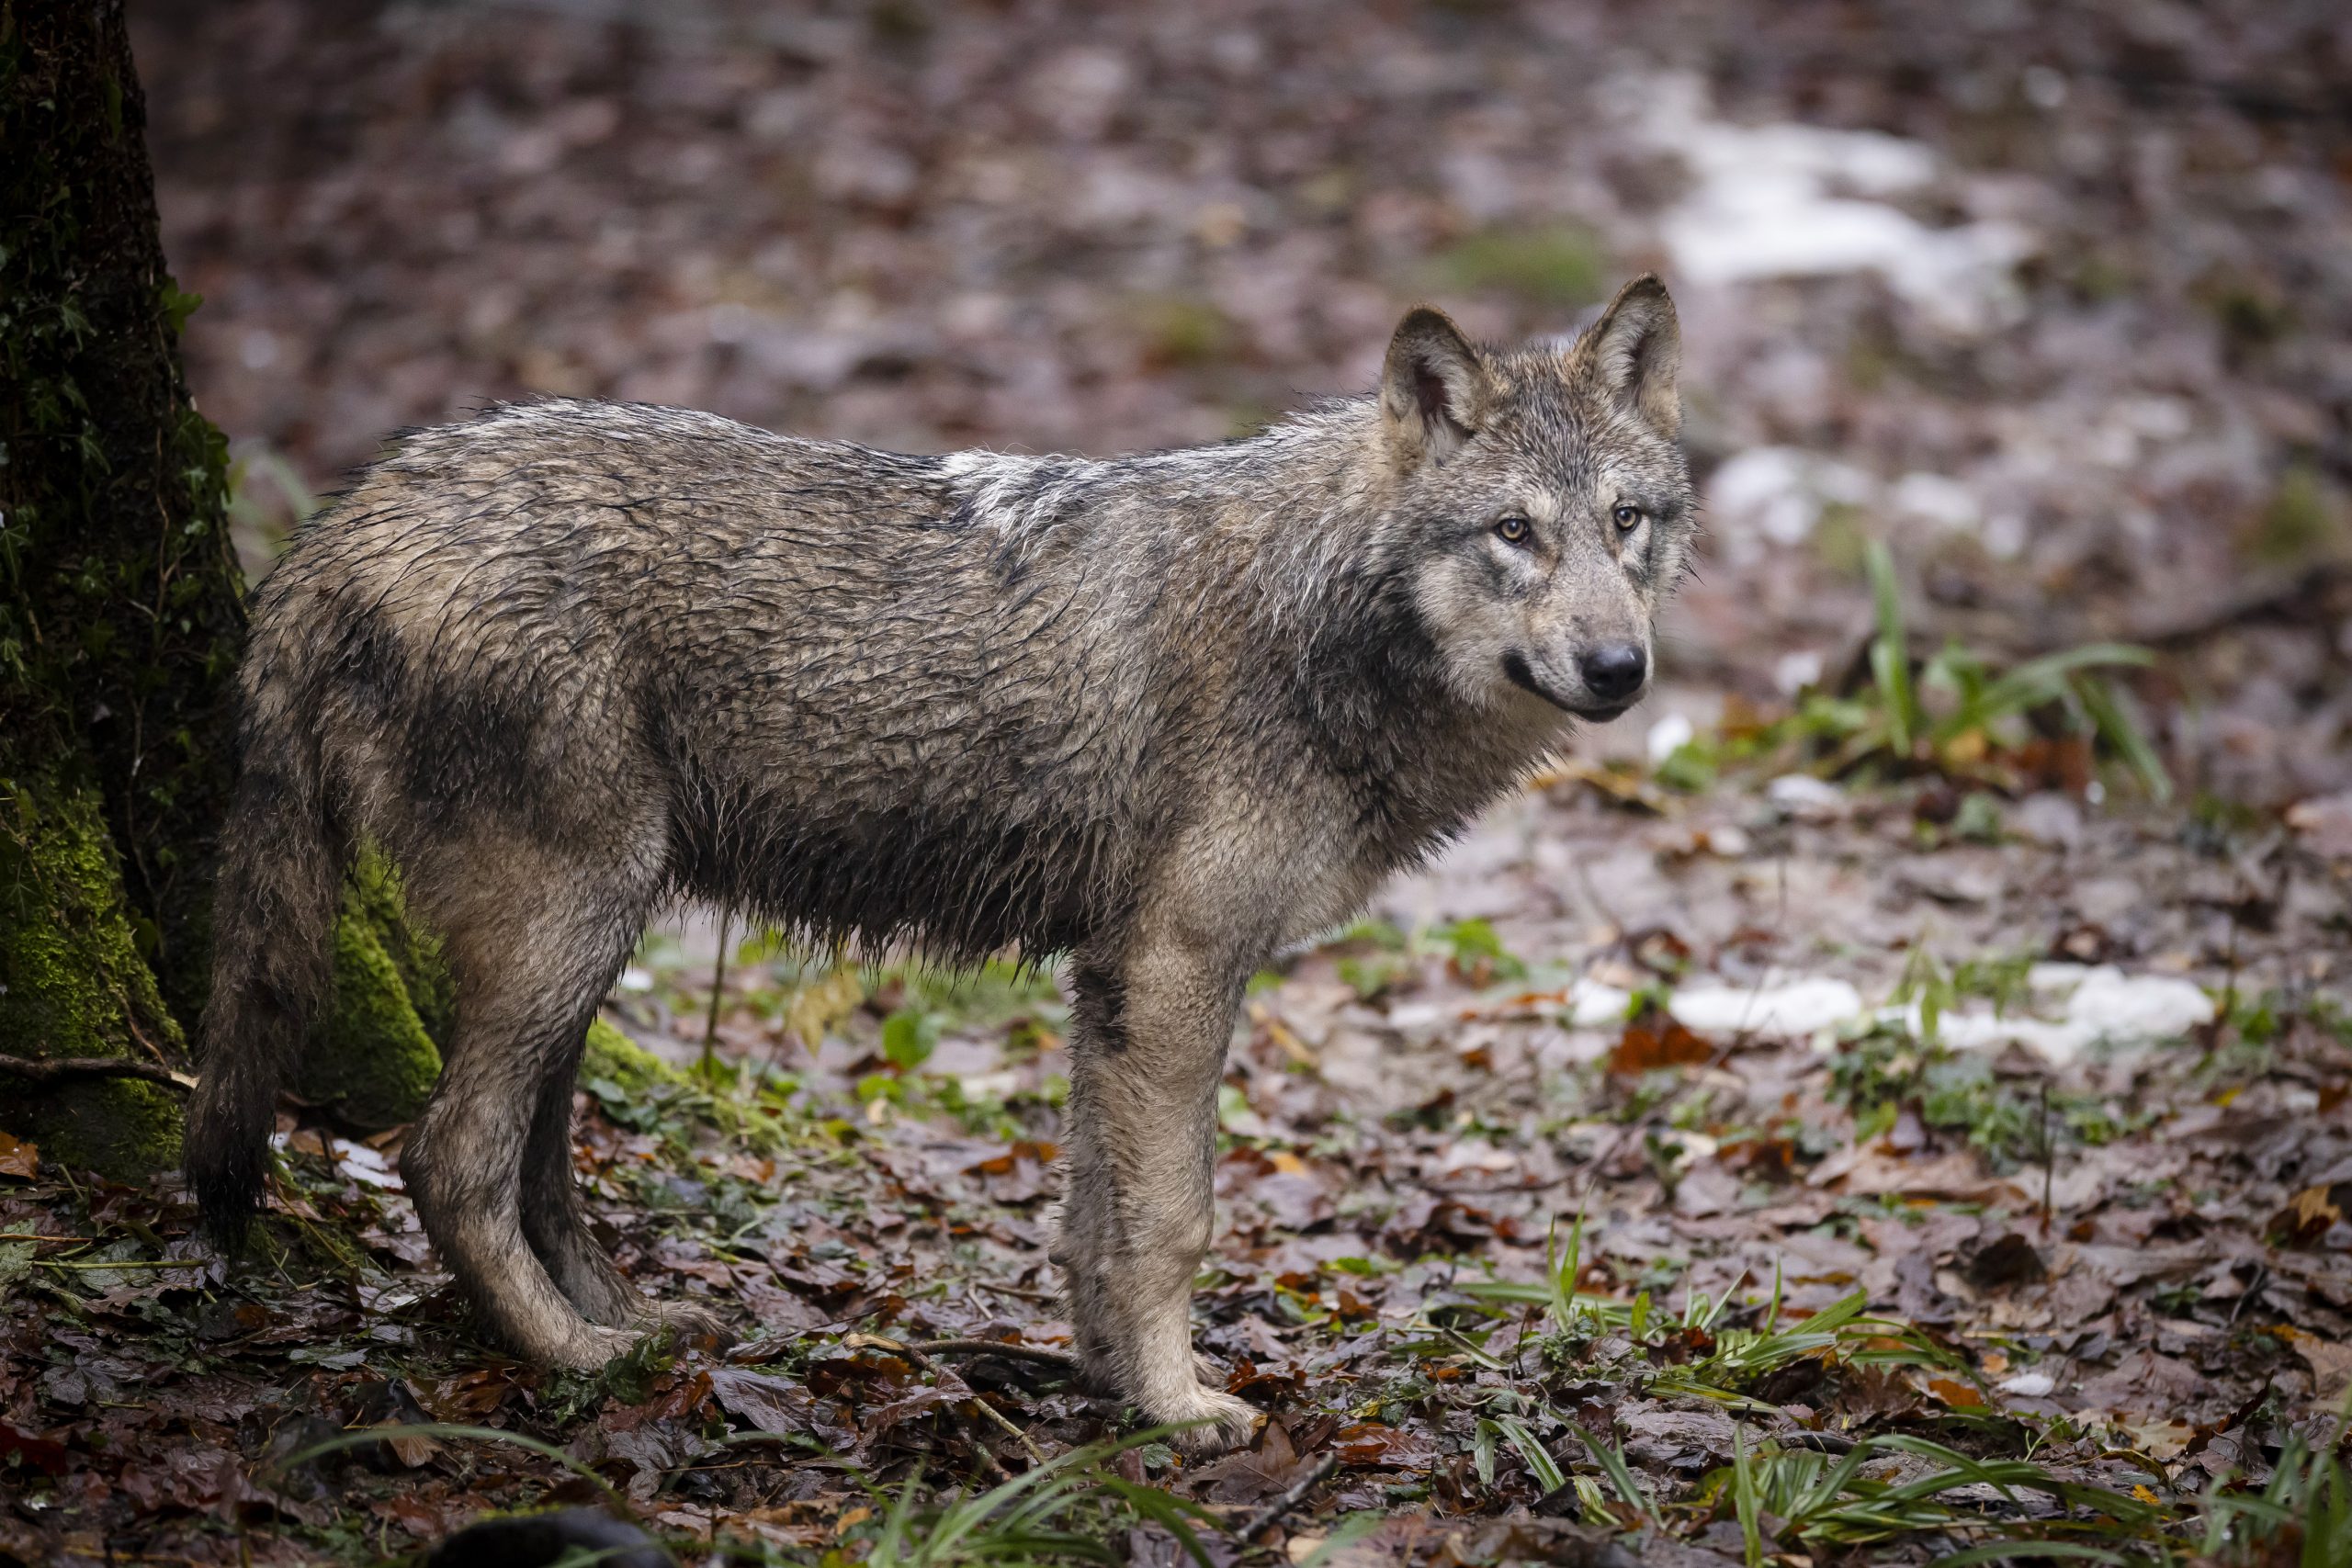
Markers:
{"x": 1149, "y": 1043}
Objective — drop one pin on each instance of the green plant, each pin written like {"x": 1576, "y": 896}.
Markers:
{"x": 1834, "y": 1503}
{"x": 1558, "y": 264}
{"x": 1956, "y": 713}
{"x": 1036, "y": 1515}
{"x": 2309, "y": 1495}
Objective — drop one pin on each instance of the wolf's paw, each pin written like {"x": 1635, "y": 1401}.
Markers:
{"x": 588, "y": 1347}
{"x": 1214, "y": 1421}
{"x": 689, "y": 1322}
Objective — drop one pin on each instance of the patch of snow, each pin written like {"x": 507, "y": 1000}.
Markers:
{"x": 1790, "y": 1010}
{"x": 1937, "y": 501}
{"x": 2100, "y": 1005}
{"x": 2138, "y": 1007}
{"x": 989, "y": 1086}
{"x": 1772, "y": 497}
{"x": 1802, "y": 794}
{"x": 1792, "y": 672}
{"x": 1592, "y": 1005}
{"x": 1801, "y": 201}
{"x": 1669, "y": 735}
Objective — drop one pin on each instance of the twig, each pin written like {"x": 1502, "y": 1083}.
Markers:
{"x": 1019, "y": 1353}
{"x": 128, "y": 1263}
{"x": 2049, "y": 1159}
{"x": 915, "y": 1354}
{"x": 718, "y": 989}
{"x": 59, "y": 1069}
{"x": 1273, "y": 1512}
{"x": 1018, "y": 1292}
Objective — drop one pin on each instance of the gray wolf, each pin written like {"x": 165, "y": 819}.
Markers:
{"x": 1156, "y": 717}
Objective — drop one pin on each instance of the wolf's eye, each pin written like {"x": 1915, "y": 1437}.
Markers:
{"x": 1627, "y": 518}
{"x": 1512, "y": 530}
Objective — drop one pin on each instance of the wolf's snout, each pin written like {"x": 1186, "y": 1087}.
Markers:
{"x": 1613, "y": 671}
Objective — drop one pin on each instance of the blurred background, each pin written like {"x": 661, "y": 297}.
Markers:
{"x": 2051, "y": 299}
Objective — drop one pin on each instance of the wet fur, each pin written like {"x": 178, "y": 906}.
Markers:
{"x": 571, "y": 662}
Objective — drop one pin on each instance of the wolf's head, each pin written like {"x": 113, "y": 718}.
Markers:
{"x": 1547, "y": 500}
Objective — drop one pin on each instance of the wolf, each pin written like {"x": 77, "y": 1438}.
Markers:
{"x": 1154, "y": 718}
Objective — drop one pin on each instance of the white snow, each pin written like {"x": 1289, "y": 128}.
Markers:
{"x": 1802, "y": 794}
{"x": 2100, "y": 1005}
{"x": 1669, "y": 735}
{"x": 1780, "y": 1008}
{"x": 1801, "y": 201}
{"x": 1769, "y": 497}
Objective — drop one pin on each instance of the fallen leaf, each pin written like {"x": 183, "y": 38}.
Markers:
{"x": 1653, "y": 1041}
{"x": 2311, "y": 1214}
{"x": 18, "y": 1157}
{"x": 1957, "y": 1394}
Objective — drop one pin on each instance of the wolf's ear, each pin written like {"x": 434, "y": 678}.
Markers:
{"x": 1635, "y": 351}
{"x": 1433, "y": 390}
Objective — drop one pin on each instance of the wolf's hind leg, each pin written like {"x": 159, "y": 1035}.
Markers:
{"x": 534, "y": 951}
{"x": 553, "y": 1222}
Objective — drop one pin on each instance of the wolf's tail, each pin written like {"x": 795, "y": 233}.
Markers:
{"x": 273, "y": 958}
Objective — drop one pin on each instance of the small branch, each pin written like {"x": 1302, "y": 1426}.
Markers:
{"x": 1273, "y": 1512}
{"x": 718, "y": 989}
{"x": 1018, "y": 1352}
{"x": 64, "y": 1069}
{"x": 915, "y": 1354}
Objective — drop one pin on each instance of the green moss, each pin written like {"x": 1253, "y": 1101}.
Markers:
{"x": 72, "y": 984}
{"x": 639, "y": 1090}
{"x": 373, "y": 1060}
{"x": 2302, "y": 523}
{"x": 627, "y": 1067}
{"x": 1557, "y": 264}
{"x": 375, "y": 893}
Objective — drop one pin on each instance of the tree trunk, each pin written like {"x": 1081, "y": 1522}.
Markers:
{"x": 121, "y": 616}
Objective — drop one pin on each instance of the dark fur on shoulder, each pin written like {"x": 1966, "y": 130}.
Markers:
{"x": 569, "y": 661}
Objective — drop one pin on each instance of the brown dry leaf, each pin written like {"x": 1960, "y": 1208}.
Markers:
{"x": 1265, "y": 1469}
{"x": 2311, "y": 1214}
{"x": 467, "y": 1397}
{"x": 18, "y": 1157}
{"x": 2331, "y": 1365}
{"x": 1957, "y": 1394}
{"x": 1655, "y": 1040}
{"x": 1372, "y": 1446}
{"x": 411, "y": 1450}
{"x": 1874, "y": 1170}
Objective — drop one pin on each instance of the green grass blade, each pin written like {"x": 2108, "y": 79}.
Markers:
{"x": 2115, "y": 724}
{"x": 1540, "y": 1464}
{"x": 1890, "y": 652}
{"x": 1611, "y": 1461}
{"x": 1743, "y": 1492}
{"x": 1344, "y": 1534}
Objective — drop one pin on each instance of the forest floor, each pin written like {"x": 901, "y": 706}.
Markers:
{"x": 1777, "y": 1171}
{"x": 1825, "y": 1121}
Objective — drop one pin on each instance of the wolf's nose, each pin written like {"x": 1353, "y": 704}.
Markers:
{"x": 1614, "y": 670}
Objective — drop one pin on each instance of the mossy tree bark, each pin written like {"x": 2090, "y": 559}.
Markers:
{"x": 121, "y": 616}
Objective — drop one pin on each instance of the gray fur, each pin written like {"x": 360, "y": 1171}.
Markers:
{"x": 1162, "y": 715}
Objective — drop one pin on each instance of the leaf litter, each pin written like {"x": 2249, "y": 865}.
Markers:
{"x": 1866, "y": 1285}
{"x": 1837, "y": 1129}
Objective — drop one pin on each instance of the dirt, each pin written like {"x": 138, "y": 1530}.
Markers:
{"x": 2027, "y": 1089}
